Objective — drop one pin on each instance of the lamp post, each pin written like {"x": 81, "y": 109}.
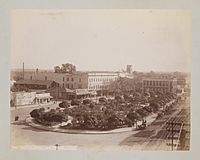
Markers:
{"x": 57, "y": 145}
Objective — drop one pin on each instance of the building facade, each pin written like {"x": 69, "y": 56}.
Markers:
{"x": 93, "y": 80}
{"x": 162, "y": 85}
{"x": 35, "y": 84}
{"x": 99, "y": 80}
{"x": 29, "y": 98}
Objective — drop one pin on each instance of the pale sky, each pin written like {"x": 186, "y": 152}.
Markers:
{"x": 158, "y": 40}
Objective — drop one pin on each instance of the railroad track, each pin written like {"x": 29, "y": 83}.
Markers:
{"x": 162, "y": 139}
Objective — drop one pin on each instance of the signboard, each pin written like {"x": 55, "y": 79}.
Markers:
{"x": 24, "y": 98}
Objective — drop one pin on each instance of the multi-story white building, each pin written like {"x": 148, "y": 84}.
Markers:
{"x": 92, "y": 80}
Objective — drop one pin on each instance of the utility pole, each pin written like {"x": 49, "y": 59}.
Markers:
{"x": 23, "y": 70}
{"x": 172, "y": 135}
{"x": 57, "y": 145}
{"x": 171, "y": 129}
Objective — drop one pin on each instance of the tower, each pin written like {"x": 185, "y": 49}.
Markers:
{"x": 129, "y": 69}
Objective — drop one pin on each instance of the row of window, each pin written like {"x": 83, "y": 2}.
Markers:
{"x": 96, "y": 87}
{"x": 71, "y": 86}
{"x": 157, "y": 83}
{"x": 159, "y": 89}
{"x": 102, "y": 79}
{"x": 72, "y": 79}
{"x": 68, "y": 79}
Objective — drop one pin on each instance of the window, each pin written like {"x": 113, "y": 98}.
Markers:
{"x": 45, "y": 77}
{"x": 156, "y": 83}
{"x": 67, "y": 78}
{"x": 31, "y": 77}
{"x": 72, "y": 79}
{"x": 63, "y": 85}
{"x": 80, "y": 86}
{"x": 163, "y": 83}
{"x": 67, "y": 85}
{"x": 63, "y": 78}
{"x": 72, "y": 86}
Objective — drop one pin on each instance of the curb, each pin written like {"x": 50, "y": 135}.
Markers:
{"x": 29, "y": 122}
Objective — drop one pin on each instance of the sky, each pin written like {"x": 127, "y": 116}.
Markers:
{"x": 149, "y": 40}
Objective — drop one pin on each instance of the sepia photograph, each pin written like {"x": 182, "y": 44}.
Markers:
{"x": 108, "y": 79}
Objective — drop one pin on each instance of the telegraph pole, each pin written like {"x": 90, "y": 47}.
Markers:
{"x": 23, "y": 70}
{"x": 172, "y": 129}
{"x": 57, "y": 145}
{"x": 172, "y": 135}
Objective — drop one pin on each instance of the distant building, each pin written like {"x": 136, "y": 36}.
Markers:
{"x": 35, "y": 84}
{"x": 163, "y": 85}
{"x": 99, "y": 80}
{"x": 92, "y": 80}
{"x": 129, "y": 69}
{"x": 29, "y": 98}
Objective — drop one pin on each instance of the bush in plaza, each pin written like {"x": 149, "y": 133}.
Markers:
{"x": 86, "y": 101}
{"x": 155, "y": 106}
{"x": 64, "y": 104}
{"x": 75, "y": 102}
{"x": 148, "y": 109}
{"x": 142, "y": 112}
{"x": 118, "y": 98}
{"x": 113, "y": 121}
{"x": 105, "y": 115}
{"x": 102, "y": 100}
{"x": 36, "y": 113}
{"x": 134, "y": 116}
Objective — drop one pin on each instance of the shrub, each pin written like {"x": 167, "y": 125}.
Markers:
{"x": 86, "y": 101}
{"x": 102, "y": 100}
{"x": 64, "y": 104}
{"x": 75, "y": 102}
{"x": 35, "y": 113}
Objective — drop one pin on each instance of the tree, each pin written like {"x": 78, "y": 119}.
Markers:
{"x": 113, "y": 121}
{"x": 155, "y": 106}
{"x": 57, "y": 69}
{"x": 36, "y": 113}
{"x": 64, "y": 104}
{"x": 65, "y": 68}
{"x": 133, "y": 116}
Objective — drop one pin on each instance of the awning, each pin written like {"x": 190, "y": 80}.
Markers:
{"x": 93, "y": 92}
{"x": 42, "y": 96}
{"x": 82, "y": 92}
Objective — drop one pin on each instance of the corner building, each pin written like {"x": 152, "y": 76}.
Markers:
{"x": 163, "y": 85}
{"x": 92, "y": 80}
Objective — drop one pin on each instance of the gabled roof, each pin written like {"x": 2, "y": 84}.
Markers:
{"x": 35, "y": 82}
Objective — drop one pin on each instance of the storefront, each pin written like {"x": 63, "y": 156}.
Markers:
{"x": 43, "y": 98}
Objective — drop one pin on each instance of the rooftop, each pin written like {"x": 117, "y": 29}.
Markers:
{"x": 37, "y": 82}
